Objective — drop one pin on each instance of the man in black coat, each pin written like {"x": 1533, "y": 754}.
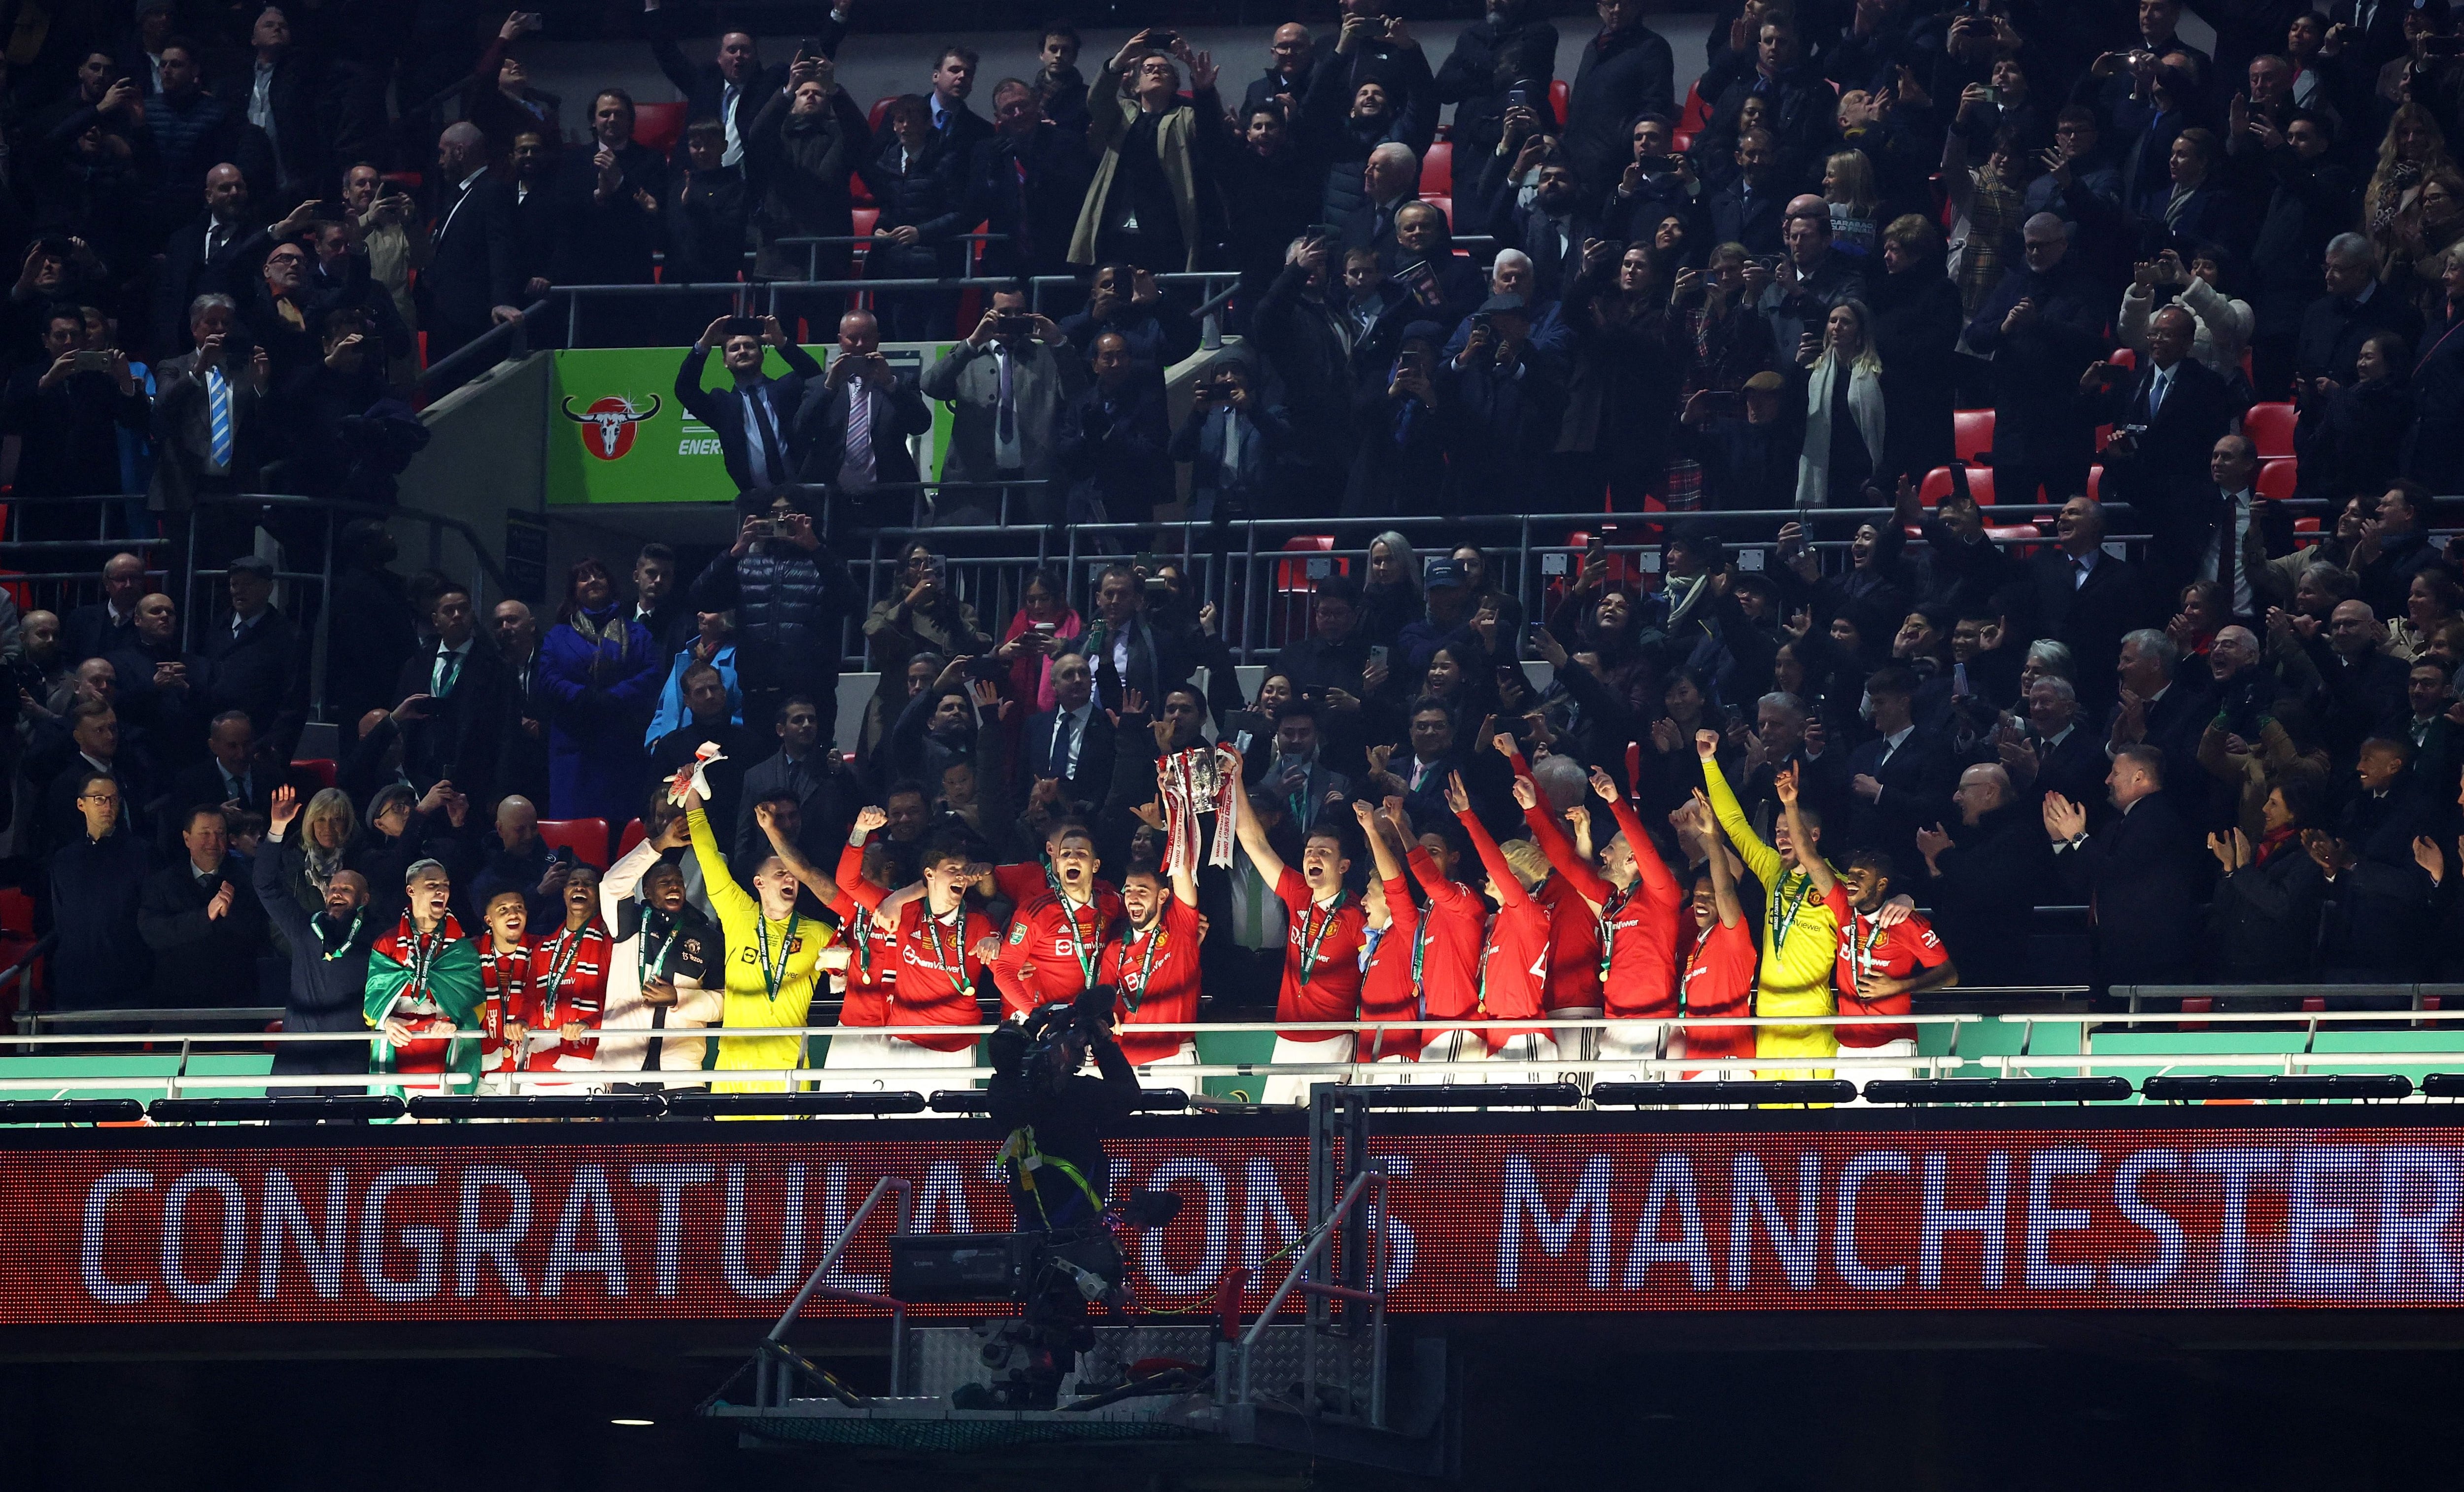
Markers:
{"x": 1552, "y": 230}
{"x": 329, "y": 950}
{"x": 2166, "y": 424}
{"x": 203, "y": 931}
{"x": 1286, "y": 77}
{"x": 458, "y": 734}
{"x": 608, "y": 196}
{"x": 1026, "y": 182}
{"x": 253, "y": 660}
{"x": 2145, "y": 873}
{"x": 791, "y": 599}
{"x": 1112, "y": 444}
{"x": 1986, "y": 876}
{"x": 853, "y": 427}
{"x": 222, "y": 246}
{"x": 2042, "y": 326}
{"x": 100, "y": 628}
{"x": 1626, "y": 70}
{"x": 707, "y": 722}
{"x": 97, "y": 876}
{"x": 2362, "y": 689}
{"x": 1507, "y": 48}
{"x": 2063, "y": 753}
{"x": 2086, "y": 599}
{"x": 804, "y": 768}
{"x": 2162, "y": 710}
{"x": 755, "y": 420}
{"x": 474, "y": 277}
{"x": 2355, "y": 309}
{"x": 315, "y": 108}
{"x": 1747, "y": 209}
{"x": 2311, "y": 195}
{"x": 1155, "y": 659}
{"x": 229, "y": 778}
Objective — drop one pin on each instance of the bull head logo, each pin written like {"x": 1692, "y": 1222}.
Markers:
{"x": 614, "y": 419}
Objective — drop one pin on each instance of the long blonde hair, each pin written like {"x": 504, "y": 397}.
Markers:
{"x": 2375, "y": 206}
{"x": 1854, "y": 188}
{"x": 1868, "y": 359}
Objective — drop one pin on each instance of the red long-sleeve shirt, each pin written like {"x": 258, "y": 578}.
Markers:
{"x": 1720, "y": 981}
{"x": 1639, "y": 929}
{"x": 1514, "y": 961}
{"x": 1387, "y": 990}
{"x": 1054, "y": 950}
{"x": 1455, "y": 926}
{"x": 1894, "y": 952}
{"x": 872, "y": 946}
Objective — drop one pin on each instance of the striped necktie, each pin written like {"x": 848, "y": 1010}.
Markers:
{"x": 218, "y": 408}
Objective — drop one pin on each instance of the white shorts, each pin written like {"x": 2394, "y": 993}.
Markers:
{"x": 1294, "y": 1089}
{"x": 1576, "y": 1044}
{"x": 1861, "y": 1075}
{"x": 1186, "y": 1057}
{"x": 1633, "y": 1042}
{"x": 1529, "y": 1058}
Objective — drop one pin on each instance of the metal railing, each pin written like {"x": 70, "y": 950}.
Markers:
{"x": 507, "y": 341}
{"x": 774, "y": 1369}
{"x": 1232, "y": 1385}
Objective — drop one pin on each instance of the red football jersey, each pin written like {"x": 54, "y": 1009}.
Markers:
{"x": 1889, "y": 953}
{"x": 872, "y": 944}
{"x": 1387, "y": 990}
{"x": 1639, "y": 933}
{"x": 1574, "y": 947}
{"x": 936, "y": 973}
{"x": 1321, "y": 959}
{"x": 1156, "y": 975}
{"x": 1053, "y": 953}
{"x": 1515, "y": 962}
{"x": 1720, "y": 981}
{"x": 1456, "y": 924}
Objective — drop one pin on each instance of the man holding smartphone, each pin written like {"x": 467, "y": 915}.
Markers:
{"x": 754, "y": 418}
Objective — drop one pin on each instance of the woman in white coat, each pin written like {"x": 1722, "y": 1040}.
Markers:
{"x": 1842, "y": 378}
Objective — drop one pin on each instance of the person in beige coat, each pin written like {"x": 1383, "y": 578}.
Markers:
{"x": 1141, "y": 208}
{"x": 664, "y": 968}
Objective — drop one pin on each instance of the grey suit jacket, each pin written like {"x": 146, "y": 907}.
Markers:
{"x": 969, "y": 381}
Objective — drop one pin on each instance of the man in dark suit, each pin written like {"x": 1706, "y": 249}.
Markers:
{"x": 190, "y": 130}
{"x": 473, "y": 280}
{"x": 2372, "y": 31}
{"x": 312, "y": 105}
{"x": 1985, "y": 877}
{"x": 155, "y": 689}
{"x": 731, "y": 87}
{"x": 1625, "y": 69}
{"x": 252, "y": 659}
{"x": 230, "y": 776}
{"x": 2355, "y": 309}
{"x": 1747, "y": 209}
{"x": 459, "y": 734}
{"x": 204, "y": 929}
{"x": 2087, "y": 598}
{"x": 1287, "y": 75}
{"x": 2143, "y": 873}
{"x": 802, "y": 767}
{"x": 1027, "y": 182}
{"x": 755, "y": 419}
{"x": 211, "y": 412}
{"x": 853, "y": 427}
{"x": 1070, "y": 741}
{"x": 608, "y": 195}
{"x": 2238, "y": 532}
{"x": 1389, "y": 180}
{"x": 221, "y": 248}
{"x": 2362, "y": 689}
{"x": 1552, "y": 230}
{"x": 1114, "y": 442}
{"x": 522, "y": 761}
{"x": 1902, "y": 780}
{"x": 2165, "y": 429}
{"x": 2162, "y": 711}
{"x": 2065, "y": 755}
{"x": 960, "y": 129}
{"x": 100, "y": 628}
{"x": 1127, "y": 651}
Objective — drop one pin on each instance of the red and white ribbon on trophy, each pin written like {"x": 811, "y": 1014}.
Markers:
{"x": 1198, "y": 780}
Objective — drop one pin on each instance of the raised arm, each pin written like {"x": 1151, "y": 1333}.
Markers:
{"x": 718, "y": 883}
{"x": 849, "y": 883}
{"x": 1724, "y": 876}
{"x": 1263, "y": 858}
{"x": 1502, "y": 880}
{"x": 1657, "y": 882}
{"x": 1816, "y": 869}
{"x": 1563, "y": 856}
{"x": 1389, "y": 868}
{"x": 1759, "y": 858}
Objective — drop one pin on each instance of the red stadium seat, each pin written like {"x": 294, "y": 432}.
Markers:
{"x": 1972, "y": 433}
{"x": 865, "y": 220}
{"x": 658, "y": 125}
{"x": 317, "y": 769}
{"x": 587, "y": 838}
{"x": 2278, "y": 478}
{"x": 1936, "y": 486}
{"x": 408, "y": 180}
{"x": 633, "y": 835}
{"x": 1559, "y": 92}
{"x": 2096, "y": 481}
{"x": 1438, "y": 169}
{"x": 880, "y": 107}
{"x": 1290, "y": 618}
{"x": 16, "y": 912}
{"x": 2270, "y": 427}
{"x": 1697, "y": 112}
{"x": 2124, "y": 358}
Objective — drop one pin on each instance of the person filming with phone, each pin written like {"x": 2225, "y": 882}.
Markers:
{"x": 754, "y": 417}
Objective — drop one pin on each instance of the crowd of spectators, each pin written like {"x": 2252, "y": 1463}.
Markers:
{"x": 1825, "y": 784}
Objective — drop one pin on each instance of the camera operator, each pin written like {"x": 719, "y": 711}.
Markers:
{"x": 1059, "y": 1174}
